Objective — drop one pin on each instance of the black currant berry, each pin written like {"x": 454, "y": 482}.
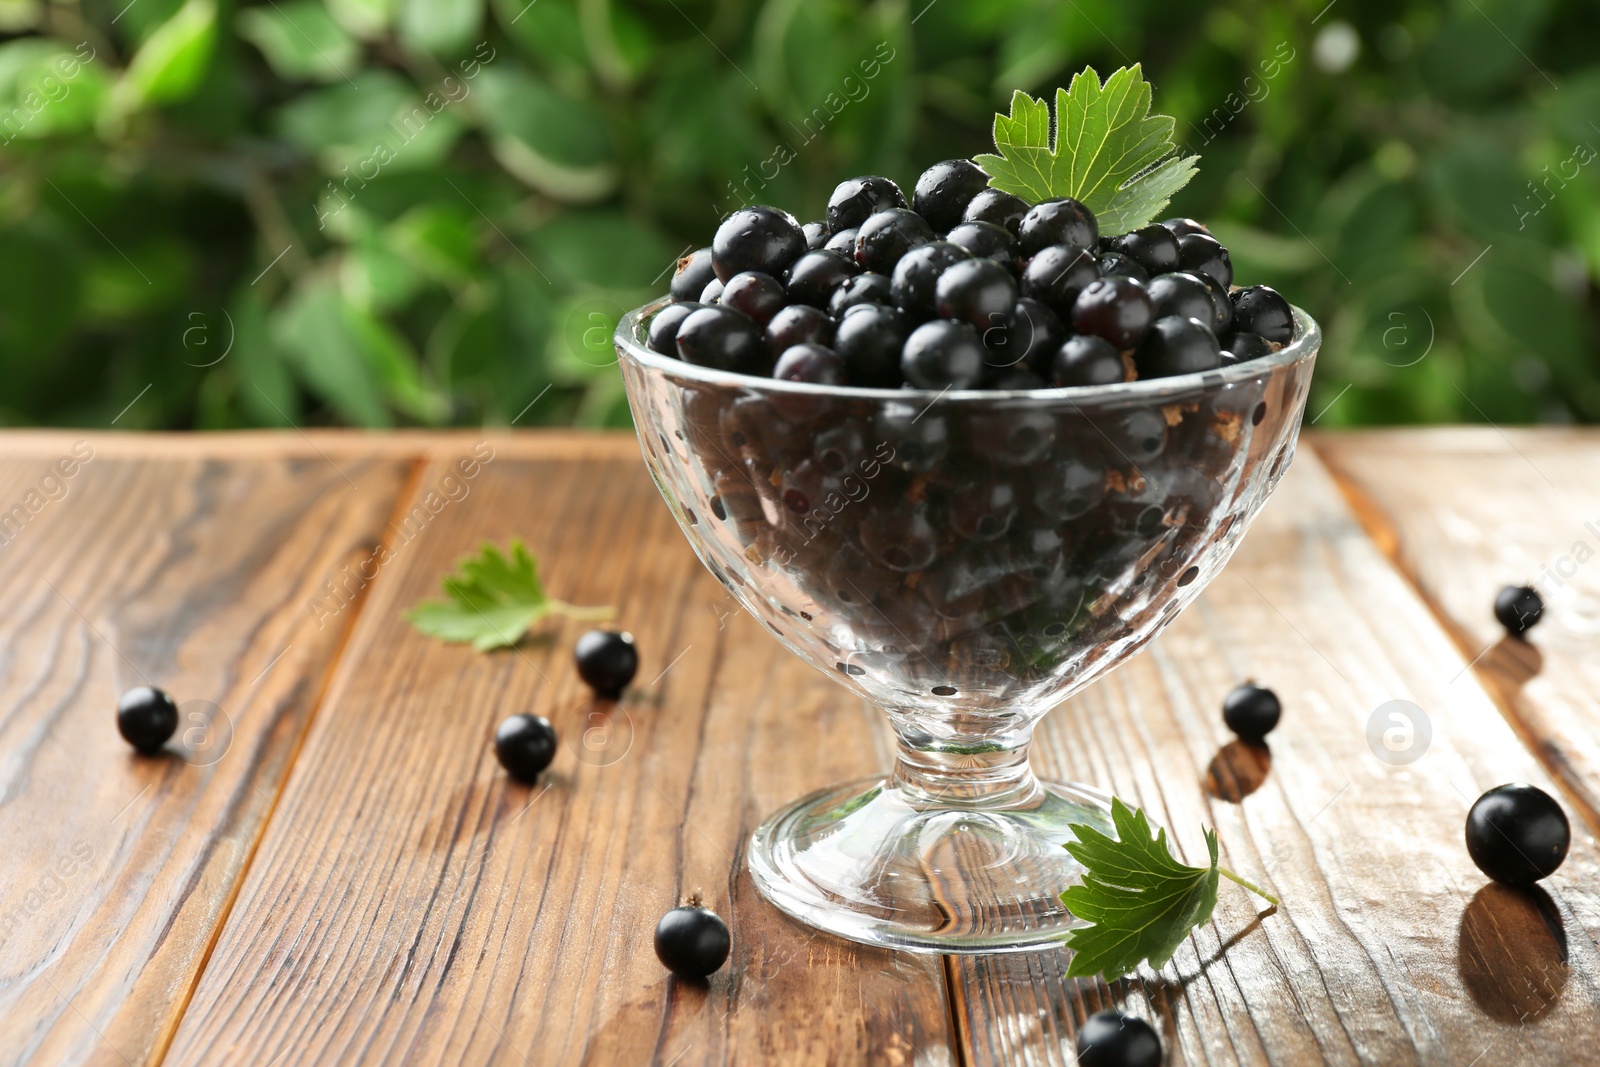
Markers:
{"x": 1247, "y": 346}
{"x": 1177, "y": 294}
{"x": 1069, "y": 488}
{"x": 901, "y": 539}
{"x": 693, "y": 272}
{"x": 815, "y": 276}
{"x": 798, "y": 324}
{"x": 663, "y": 334}
{"x": 888, "y": 235}
{"x": 943, "y": 354}
{"x": 1112, "y": 1039}
{"x": 855, "y": 199}
{"x": 986, "y": 240}
{"x": 817, "y": 234}
{"x": 1262, "y": 309}
{"x": 1251, "y": 711}
{"x": 1057, "y": 222}
{"x": 1177, "y": 345}
{"x": 1013, "y": 379}
{"x": 813, "y": 363}
{"x": 868, "y": 287}
{"x": 976, "y": 291}
{"x": 1029, "y": 339}
{"x": 1116, "y": 308}
{"x": 1204, "y": 254}
{"x": 1519, "y": 608}
{"x": 607, "y": 661}
{"x": 756, "y": 238}
{"x": 722, "y": 339}
{"x": 692, "y": 942}
{"x": 1152, "y": 247}
{"x": 1517, "y": 834}
{"x": 869, "y": 339}
{"x": 1221, "y": 304}
{"x": 945, "y": 189}
{"x": 1115, "y": 264}
{"x": 1057, "y": 274}
{"x": 998, "y": 207}
{"x": 146, "y": 718}
{"x": 525, "y": 745}
{"x": 1087, "y": 360}
{"x": 758, "y": 295}
{"x": 843, "y": 242}
{"x": 983, "y": 509}
{"x": 712, "y": 293}
{"x": 1182, "y": 228}
{"x": 914, "y": 276}
{"x": 920, "y": 437}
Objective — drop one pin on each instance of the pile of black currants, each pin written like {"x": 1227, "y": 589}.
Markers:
{"x": 968, "y": 287}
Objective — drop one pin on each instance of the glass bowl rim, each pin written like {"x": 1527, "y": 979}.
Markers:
{"x": 1302, "y": 346}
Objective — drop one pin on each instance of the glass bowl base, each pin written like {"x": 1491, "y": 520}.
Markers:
{"x": 884, "y": 865}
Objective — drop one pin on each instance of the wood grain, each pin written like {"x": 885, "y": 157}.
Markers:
{"x": 1468, "y": 512}
{"x": 410, "y": 904}
{"x": 193, "y": 574}
{"x": 1390, "y": 947}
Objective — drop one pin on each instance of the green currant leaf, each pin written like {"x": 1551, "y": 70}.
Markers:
{"x": 493, "y": 601}
{"x": 1103, "y": 148}
{"x": 1141, "y": 901}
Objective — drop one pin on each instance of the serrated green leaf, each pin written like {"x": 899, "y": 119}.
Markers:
{"x": 1103, "y": 148}
{"x": 1142, "y": 902}
{"x": 493, "y": 601}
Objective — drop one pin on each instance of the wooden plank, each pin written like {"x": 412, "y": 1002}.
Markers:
{"x": 409, "y": 903}
{"x": 1390, "y": 946}
{"x": 189, "y": 573}
{"x": 1467, "y": 513}
{"x": 327, "y": 444}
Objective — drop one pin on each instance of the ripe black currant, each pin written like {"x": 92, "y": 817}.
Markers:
{"x": 887, "y": 235}
{"x": 855, "y": 199}
{"x": 1057, "y": 222}
{"x": 843, "y": 242}
{"x": 817, "y": 234}
{"x": 1177, "y": 345}
{"x": 1251, "y": 711}
{"x": 1204, "y": 254}
{"x": 693, "y": 272}
{"x": 1221, "y": 304}
{"x": 1519, "y": 608}
{"x": 1057, "y": 274}
{"x": 815, "y": 276}
{"x": 1182, "y": 228}
{"x": 798, "y": 324}
{"x": 1116, "y": 308}
{"x": 1177, "y": 294}
{"x": 1087, "y": 360}
{"x": 1262, "y": 309}
{"x": 1152, "y": 247}
{"x": 756, "y": 238}
{"x": 1517, "y": 834}
{"x": 998, "y": 207}
{"x": 146, "y": 718}
{"x": 813, "y": 363}
{"x": 1117, "y": 264}
{"x": 914, "y": 276}
{"x": 607, "y": 661}
{"x": 722, "y": 339}
{"x": 758, "y": 295}
{"x": 525, "y": 745}
{"x": 943, "y": 354}
{"x": 1246, "y": 346}
{"x": 945, "y": 189}
{"x": 663, "y": 334}
{"x": 982, "y": 509}
{"x": 986, "y": 240}
{"x": 1028, "y": 339}
{"x": 712, "y": 293}
{"x": 869, "y": 339}
{"x": 902, "y": 539}
{"x": 692, "y": 941}
{"x": 976, "y": 291}
{"x": 1112, "y": 1039}
{"x": 868, "y": 287}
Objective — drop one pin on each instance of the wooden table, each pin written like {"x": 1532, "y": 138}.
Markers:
{"x": 330, "y": 867}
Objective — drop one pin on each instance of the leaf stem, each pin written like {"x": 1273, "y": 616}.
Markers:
{"x": 1257, "y": 890}
{"x": 575, "y": 611}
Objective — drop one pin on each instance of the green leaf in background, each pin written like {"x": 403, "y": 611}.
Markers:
{"x": 1140, "y": 901}
{"x": 440, "y": 27}
{"x": 554, "y": 142}
{"x": 301, "y": 40}
{"x": 493, "y": 601}
{"x": 1102, "y": 149}
{"x": 364, "y": 18}
{"x": 48, "y": 88}
{"x": 170, "y": 64}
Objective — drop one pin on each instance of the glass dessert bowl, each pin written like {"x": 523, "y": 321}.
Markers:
{"x": 965, "y": 561}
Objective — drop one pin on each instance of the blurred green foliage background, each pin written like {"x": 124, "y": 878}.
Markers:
{"x": 402, "y": 212}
